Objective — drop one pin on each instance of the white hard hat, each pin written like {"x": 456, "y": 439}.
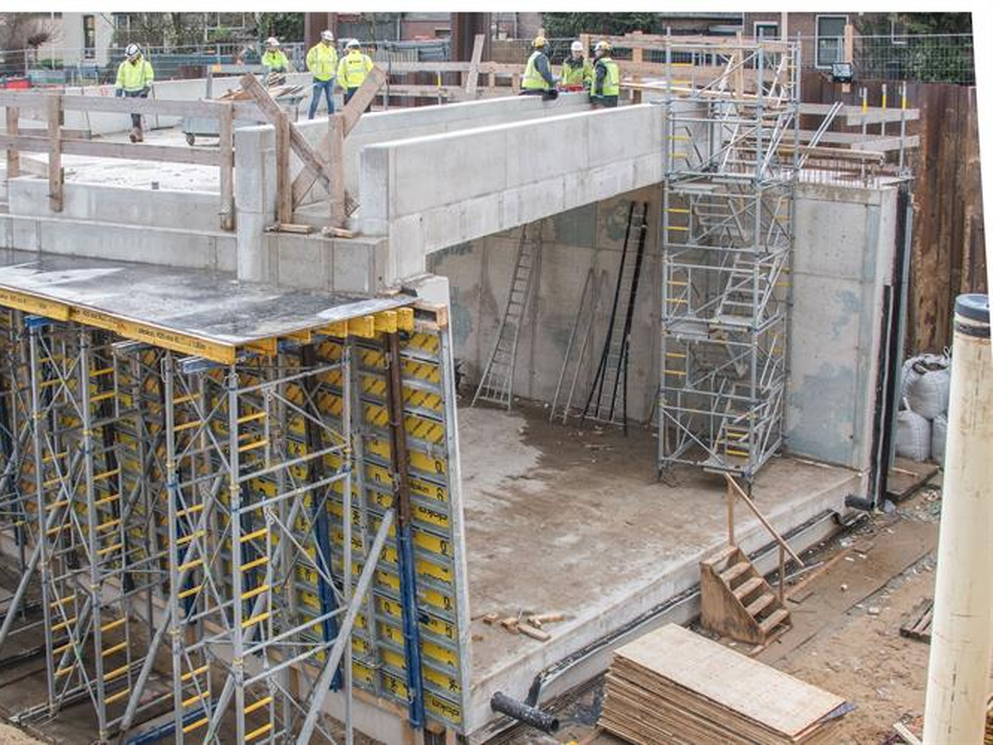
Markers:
{"x": 327, "y": 35}
{"x": 577, "y": 46}
{"x": 272, "y": 41}
{"x": 132, "y": 50}
{"x": 352, "y": 44}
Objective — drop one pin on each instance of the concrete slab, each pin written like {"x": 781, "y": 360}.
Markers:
{"x": 573, "y": 521}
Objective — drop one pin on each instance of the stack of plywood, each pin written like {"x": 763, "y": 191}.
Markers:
{"x": 674, "y": 686}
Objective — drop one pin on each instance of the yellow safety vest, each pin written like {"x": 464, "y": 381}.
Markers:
{"x": 353, "y": 68}
{"x": 322, "y": 61}
{"x": 275, "y": 61}
{"x": 581, "y": 74}
{"x": 532, "y": 78}
{"x": 135, "y": 77}
{"x": 612, "y": 80}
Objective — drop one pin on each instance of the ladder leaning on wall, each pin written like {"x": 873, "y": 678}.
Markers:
{"x": 496, "y": 385}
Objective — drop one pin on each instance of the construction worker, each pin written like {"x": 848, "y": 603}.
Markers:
{"x": 274, "y": 60}
{"x": 322, "y": 61}
{"x": 606, "y": 78}
{"x": 353, "y": 68}
{"x": 538, "y": 79}
{"x": 134, "y": 80}
{"x": 577, "y": 72}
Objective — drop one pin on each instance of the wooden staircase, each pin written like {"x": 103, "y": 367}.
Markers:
{"x": 737, "y": 602}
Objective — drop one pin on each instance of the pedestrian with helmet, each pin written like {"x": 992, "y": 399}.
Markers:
{"x": 577, "y": 72}
{"x": 322, "y": 61}
{"x": 353, "y": 68}
{"x": 538, "y": 79}
{"x": 274, "y": 59}
{"x": 606, "y": 78}
{"x": 134, "y": 80}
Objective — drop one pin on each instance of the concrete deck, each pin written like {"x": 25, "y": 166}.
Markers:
{"x": 573, "y": 521}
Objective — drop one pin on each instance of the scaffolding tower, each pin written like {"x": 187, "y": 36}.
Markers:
{"x": 215, "y": 547}
{"x": 727, "y": 233}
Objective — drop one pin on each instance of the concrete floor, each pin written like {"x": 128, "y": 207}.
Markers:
{"x": 569, "y": 520}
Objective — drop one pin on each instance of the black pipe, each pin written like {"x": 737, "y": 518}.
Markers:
{"x": 530, "y": 715}
{"x": 860, "y": 503}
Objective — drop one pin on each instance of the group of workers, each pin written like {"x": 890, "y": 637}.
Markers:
{"x": 135, "y": 74}
{"x": 324, "y": 65}
{"x": 602, "y": 77}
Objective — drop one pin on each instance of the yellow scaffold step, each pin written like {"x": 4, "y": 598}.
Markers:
{"x": 198, "y": 671}
{"x": 680, "y": 228}
{"x": 251, "y": 417}
{"x": 678, "y": 210}
{"x": 109, "y": 524}
{"x": 62, "y": 648}
{"x": 109, "y": 549}
{"x": 116, "y": 648}
{"x": 107, "y": 499}
{"x": 117, "y": 696}
{"x": 61, "y": 601}
{"x": 253, "y": 535}
{"x": 190, "y": 591}
{"x": 190, "y": 564}
{"x": 107, "y": 474}
{"x": 193, "y": 699}
{"x": 191, "y": 537}
{"x": 253, "y": 446}
{"x": 111, "y": 625}
{"x": 258, "y": 704}
{"x": 193, "y": 508}
{"x": 254, "y": 563}
{"x": 183, "y": 399}
{"x": 50, "y": 458}
{"x": 254, "y": 620}
{"x": 116, "y": 673}
{"x": 63, "y": 671}
{"x": 681, "y": 373}
{"x": 56, "y": 505}
{"x": 249, "y": 594}
{"x": 63, "y": 624}
{"x": 258, "y": 732}
{"x": 676, "y": 355}
{"x": 195, "y": 725}
{"x": 678, "y": 282}
{"x": 102, "y": 397}
{"x": 102, "y": 371}
{"x": 187, "y": 425}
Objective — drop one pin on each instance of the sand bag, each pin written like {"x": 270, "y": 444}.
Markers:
{"x": 939, "y": 433}
{"x": 925, "y": 384}
{"x": 913, "y": 436}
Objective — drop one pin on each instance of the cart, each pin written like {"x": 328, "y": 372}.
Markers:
{"x": 198, "y": 126}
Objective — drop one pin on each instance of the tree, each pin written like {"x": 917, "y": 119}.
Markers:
{"x": 161, "y": 30}
{"x": 562, "y": 25}
{"x": 20, "y": 32}
{"x": 284, "y": 26}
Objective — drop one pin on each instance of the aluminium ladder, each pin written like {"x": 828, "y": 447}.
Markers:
{"x": 496, "y": 385}
{"x": 609, "y": 386}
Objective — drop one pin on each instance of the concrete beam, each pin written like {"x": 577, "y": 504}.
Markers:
{"x": 431, "y": 192}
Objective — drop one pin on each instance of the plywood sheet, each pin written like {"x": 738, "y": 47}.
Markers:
{"x": 732, "y": 680}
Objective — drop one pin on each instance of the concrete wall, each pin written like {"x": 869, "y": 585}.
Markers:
{"x": 479, "y": 273}
{"x": 842, "y": 260}
{"x": 432, "y": 192}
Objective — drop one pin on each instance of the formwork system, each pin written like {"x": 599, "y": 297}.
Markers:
{"x": 727, "y": 233}
{"x": 220, "y": 542}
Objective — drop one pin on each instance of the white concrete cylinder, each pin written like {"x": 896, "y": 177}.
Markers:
{"x": 962, "y": 625}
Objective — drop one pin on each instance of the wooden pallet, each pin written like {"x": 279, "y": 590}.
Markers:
{"x": 917, "y": 623}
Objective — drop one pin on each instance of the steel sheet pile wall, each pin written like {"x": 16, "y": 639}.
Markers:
{"x": 180, "y": 525}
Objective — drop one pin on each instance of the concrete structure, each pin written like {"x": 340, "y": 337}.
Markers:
{"x": 442, "y": 194}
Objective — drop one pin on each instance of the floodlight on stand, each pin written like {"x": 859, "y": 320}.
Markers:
{"x": 842, "y": 72}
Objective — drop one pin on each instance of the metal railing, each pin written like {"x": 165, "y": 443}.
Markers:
{"x": 925, "y": 58}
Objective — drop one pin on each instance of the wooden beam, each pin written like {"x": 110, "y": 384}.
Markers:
{"x": 350, "y": 117}
{"x": 336, "y": 164}
{"x": 284, "y": 187}
{"x": 637, "y": 58}
{"x": 849, "y": 52}
{"x": 55, "y": 175}
{"x": 13, "y": 157}
{"x": 311, "y": 159}
{"x": 472, "y": 82}
{"x": 225, "y": 147}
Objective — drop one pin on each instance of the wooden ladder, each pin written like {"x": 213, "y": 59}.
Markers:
{"x": 736, "y": 601}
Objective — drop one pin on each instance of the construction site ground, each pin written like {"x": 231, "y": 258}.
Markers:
{"x": 863, "y": 585}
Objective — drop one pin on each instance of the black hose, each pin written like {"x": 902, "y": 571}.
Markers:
{"x": 859, "y": 503}
{"x": 522, "y": 712}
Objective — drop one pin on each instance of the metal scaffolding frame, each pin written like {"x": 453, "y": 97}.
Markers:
{"x": 727, "y": 234}
{"x": 185, "y": 527}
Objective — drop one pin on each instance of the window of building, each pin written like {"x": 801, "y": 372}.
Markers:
{"x": 89, "y": 36}
{"x": 766, "y": 30}
{"x": 830, "y": 40}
